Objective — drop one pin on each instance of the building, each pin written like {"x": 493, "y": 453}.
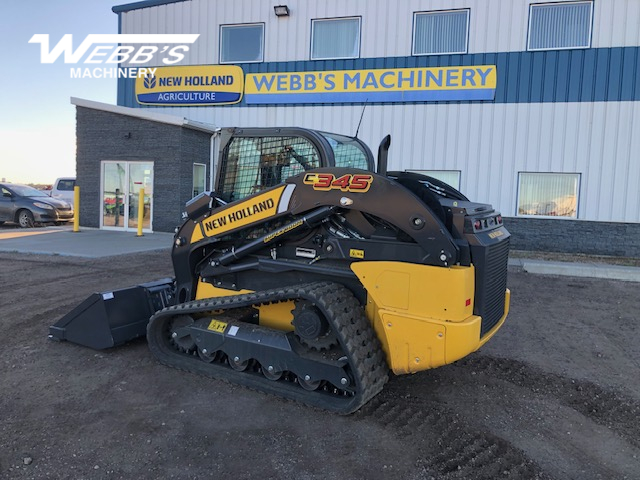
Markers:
{"x": 531, "y": 106}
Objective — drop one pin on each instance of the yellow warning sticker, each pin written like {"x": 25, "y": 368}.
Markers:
{"x": 217, "y": 326}
{"x": 353, "y": 253}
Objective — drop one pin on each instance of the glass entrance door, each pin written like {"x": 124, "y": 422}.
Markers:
{"x": 121, "y": 184}
{"x": 140, "y": 176}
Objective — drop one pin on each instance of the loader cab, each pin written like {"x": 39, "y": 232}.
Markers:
{"x": 254, "y": 159}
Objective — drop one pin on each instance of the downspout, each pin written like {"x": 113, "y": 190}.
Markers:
{"x": 214, "y": 153}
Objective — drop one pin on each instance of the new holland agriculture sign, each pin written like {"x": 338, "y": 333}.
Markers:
{"x": 191, "y": 85}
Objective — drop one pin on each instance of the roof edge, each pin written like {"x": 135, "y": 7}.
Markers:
{"x": 145, "y": 115}
{"x": 143, "y": 4}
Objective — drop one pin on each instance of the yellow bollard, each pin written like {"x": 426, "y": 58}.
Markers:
{"x": 140, "y": 211}
{"x": 76, "y": 208}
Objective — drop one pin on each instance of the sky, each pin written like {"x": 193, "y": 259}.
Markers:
{"x": 37, "y": 120}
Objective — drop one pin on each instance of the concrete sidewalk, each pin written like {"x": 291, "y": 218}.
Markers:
{"x": 577, "y": 269}
{"x": 88, "y": 243}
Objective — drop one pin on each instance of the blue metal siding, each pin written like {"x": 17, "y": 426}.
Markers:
{"x": 592, "y": 75}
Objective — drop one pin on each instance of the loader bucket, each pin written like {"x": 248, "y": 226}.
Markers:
{"x": 112, "y": 318}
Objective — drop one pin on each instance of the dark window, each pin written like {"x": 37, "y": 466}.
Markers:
{"x": 66, "y": 185}
{"x": 241, "y": 43}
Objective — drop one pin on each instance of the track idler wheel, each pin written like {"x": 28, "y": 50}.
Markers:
{"x": 270, "y": 373}
{"x": 308, "y": 384}
{"x": 237, "y": 364}
{"x": 182, "y": 336}
{"x": 311, "y": 328}
{"x": 207, "y": 356}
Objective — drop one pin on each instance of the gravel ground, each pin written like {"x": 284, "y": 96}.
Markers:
{"x": 555, "y": 395}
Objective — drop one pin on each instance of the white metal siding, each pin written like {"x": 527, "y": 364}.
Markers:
{"x": 494, "y": 25}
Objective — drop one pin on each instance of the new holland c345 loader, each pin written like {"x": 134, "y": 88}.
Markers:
{"x": 309, "y": 275}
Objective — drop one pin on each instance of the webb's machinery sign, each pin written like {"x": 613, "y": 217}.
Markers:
{"x": 215, "y": 85}
{"x": 379, "y": 85}
{"x": 191, "y": 85}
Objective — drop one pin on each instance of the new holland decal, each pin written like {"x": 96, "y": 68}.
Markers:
{"x": 358, "y": 183}
{"x": 253, "y": 209}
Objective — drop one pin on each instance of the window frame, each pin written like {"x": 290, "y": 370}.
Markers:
{"x": 562, "y": 217}
{"x": 359, "y": 42}
{"x": 204, "y": 177}
{"x": 547, "y": 49}
{"x": 434, "y": 12}
{"x": 231, "y": 25}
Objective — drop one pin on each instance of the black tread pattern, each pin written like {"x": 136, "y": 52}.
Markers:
{"x": 453, "y": 449}
{"x": 345, "y": 315}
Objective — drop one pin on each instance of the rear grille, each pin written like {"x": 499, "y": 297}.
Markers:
{"x": 491, "y": 282}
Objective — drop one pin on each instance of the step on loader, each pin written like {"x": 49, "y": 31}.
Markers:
{"x": 308, "y": 274}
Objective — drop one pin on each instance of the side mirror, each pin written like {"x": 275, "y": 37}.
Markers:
{"x": 6, "y": 194}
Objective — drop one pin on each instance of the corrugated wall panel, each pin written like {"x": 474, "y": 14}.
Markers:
{"x": 494, "y": 25}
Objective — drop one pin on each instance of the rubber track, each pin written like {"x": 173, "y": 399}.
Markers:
{"x": 344, "y": 313}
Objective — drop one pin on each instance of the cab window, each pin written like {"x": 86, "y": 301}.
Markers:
{"x": 252, "y": 164}
{"x": 347, "y": 151}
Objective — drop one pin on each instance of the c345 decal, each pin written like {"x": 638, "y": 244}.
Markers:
{"x": 358, "y": 183}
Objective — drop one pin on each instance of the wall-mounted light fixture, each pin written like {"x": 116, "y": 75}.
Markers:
{"x": 281, "y": 11}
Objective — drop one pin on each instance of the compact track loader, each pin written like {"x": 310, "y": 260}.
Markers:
{"x": 308, "y": 275}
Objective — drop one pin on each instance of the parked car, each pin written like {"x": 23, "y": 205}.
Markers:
{"x": 27, "y": 206}
{"x": 63, "y": 189}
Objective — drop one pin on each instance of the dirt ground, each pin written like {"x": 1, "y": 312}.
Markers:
{"x": 555, "y": 395}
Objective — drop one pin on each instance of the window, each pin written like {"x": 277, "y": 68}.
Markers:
{"x": 560, "y": 26}
{"x": 199, "y": 178}
{"x": 347, "y": 152}
{"x": 66, "y": 185}
{"x": 450, "y": 177}
{"x": 252, "y": 164}
{"x": 335, "y": 38}
{"x": 548, "y": 194}
{"x": 242, "y": 43}
{"x": 438, "y": 33}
